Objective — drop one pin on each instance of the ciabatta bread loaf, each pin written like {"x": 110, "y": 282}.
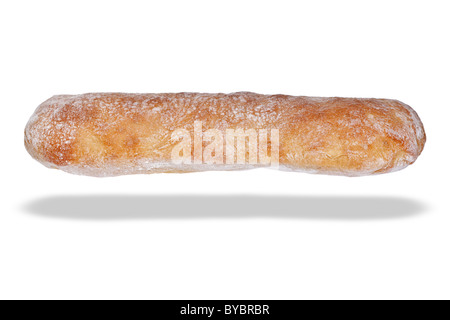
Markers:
{"x": 110, "y": 134}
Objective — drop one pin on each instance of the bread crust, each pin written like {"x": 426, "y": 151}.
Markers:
{"x": 111, "y": 134}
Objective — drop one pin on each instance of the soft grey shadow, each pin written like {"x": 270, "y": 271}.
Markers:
{"x": 128, "y": 207}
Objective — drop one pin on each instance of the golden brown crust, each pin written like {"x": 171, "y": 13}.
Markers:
{"x": 108, "y": 134}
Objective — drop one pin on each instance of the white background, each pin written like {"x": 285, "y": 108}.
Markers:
{"x": 259, "y": 234}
